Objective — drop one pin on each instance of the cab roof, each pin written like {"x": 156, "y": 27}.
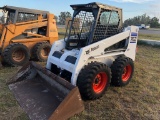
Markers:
{"x": 95, "y": 4}
{"x": 25, "y": 10}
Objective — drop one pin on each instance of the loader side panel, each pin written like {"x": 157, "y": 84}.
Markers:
{"x": 51, "y": 29}
{"x": 132, "y": 43}
{"x": 1, "y": 29}
{"x": 17, "y": 32}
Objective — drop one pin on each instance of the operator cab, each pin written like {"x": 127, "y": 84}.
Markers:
{"x": 12, "y": 15}
{"x": 91, "y": 23}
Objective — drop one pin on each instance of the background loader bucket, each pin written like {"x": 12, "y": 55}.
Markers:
{"x": 43, "y": 95}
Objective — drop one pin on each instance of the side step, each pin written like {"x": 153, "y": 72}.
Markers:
{"x": 44, "y": 95}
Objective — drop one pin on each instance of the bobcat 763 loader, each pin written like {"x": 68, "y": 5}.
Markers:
{"x": 24, "y": 34}
{"x": 95, "y": 53}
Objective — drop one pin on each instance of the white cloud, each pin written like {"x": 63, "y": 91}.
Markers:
{"x": 133, "y": 1}
{"x": 154, "y": 10}
{"x": 154, "y": 6}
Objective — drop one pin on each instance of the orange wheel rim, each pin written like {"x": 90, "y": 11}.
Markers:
{"x": 100, "y": 82}
{"x": 45, "y": 52}
{"x": 18, "y": 55}
{"x": 127, "y": 73}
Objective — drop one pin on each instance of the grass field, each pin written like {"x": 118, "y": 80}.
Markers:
{"x": 149, "y": 36}
{"x": 139, "y": 100}
{"x": 61, "y": 30}
{"x": 154, "y": 28}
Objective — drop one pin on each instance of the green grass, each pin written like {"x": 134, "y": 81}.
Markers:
{"x": 62, "y": 30}
{"x": 138, "y": 100}
{"x": 9, "y": 108}
{"x": 61, "y": 37}
{"x": 149, "y": 36}
{"x": 154, "y": 28}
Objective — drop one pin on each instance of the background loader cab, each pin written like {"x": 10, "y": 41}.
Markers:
{"x": 91, "y": 23}
{"x": 24, "y": 34}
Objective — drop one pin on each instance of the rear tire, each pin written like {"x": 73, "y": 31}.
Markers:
{"x": 41, "y": 51}
{"x": 15, "y": 55}
{"x": 122, "y": 71}
{"x": 93, "y": 80}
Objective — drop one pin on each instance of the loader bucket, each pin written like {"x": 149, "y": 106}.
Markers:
{"x": 44, "y": 95}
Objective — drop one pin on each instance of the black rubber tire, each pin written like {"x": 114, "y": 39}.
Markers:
{"x": 7, "y": 59}
{"x": 117, "y": 69}
{"x": 87, "y": 77}
{"x": 36, "y": 51}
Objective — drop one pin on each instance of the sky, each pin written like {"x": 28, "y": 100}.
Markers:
{"x": 130, "y": 8}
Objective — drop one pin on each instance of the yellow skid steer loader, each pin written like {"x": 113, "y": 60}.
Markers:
{"x": 95, "y": 53}
{"x": 24, "y": 34}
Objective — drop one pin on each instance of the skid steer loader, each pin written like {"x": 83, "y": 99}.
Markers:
{"x": 95, "y": 53}
{"x": 24, "y": 34}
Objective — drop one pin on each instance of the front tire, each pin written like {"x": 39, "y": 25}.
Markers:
{"x": 122, "y": 71}
{"x": 15, "y": 55}
{"x": 93, "y": 80}
{"x": 41, "y": 51}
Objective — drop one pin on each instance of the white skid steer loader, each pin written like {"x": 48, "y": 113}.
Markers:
{"x": 95, "y": 53}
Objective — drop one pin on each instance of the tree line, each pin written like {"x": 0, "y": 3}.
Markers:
{"x": 61, "y": 19}
{"x": 143, "y": 19}
{"x": 137, "y": 20}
